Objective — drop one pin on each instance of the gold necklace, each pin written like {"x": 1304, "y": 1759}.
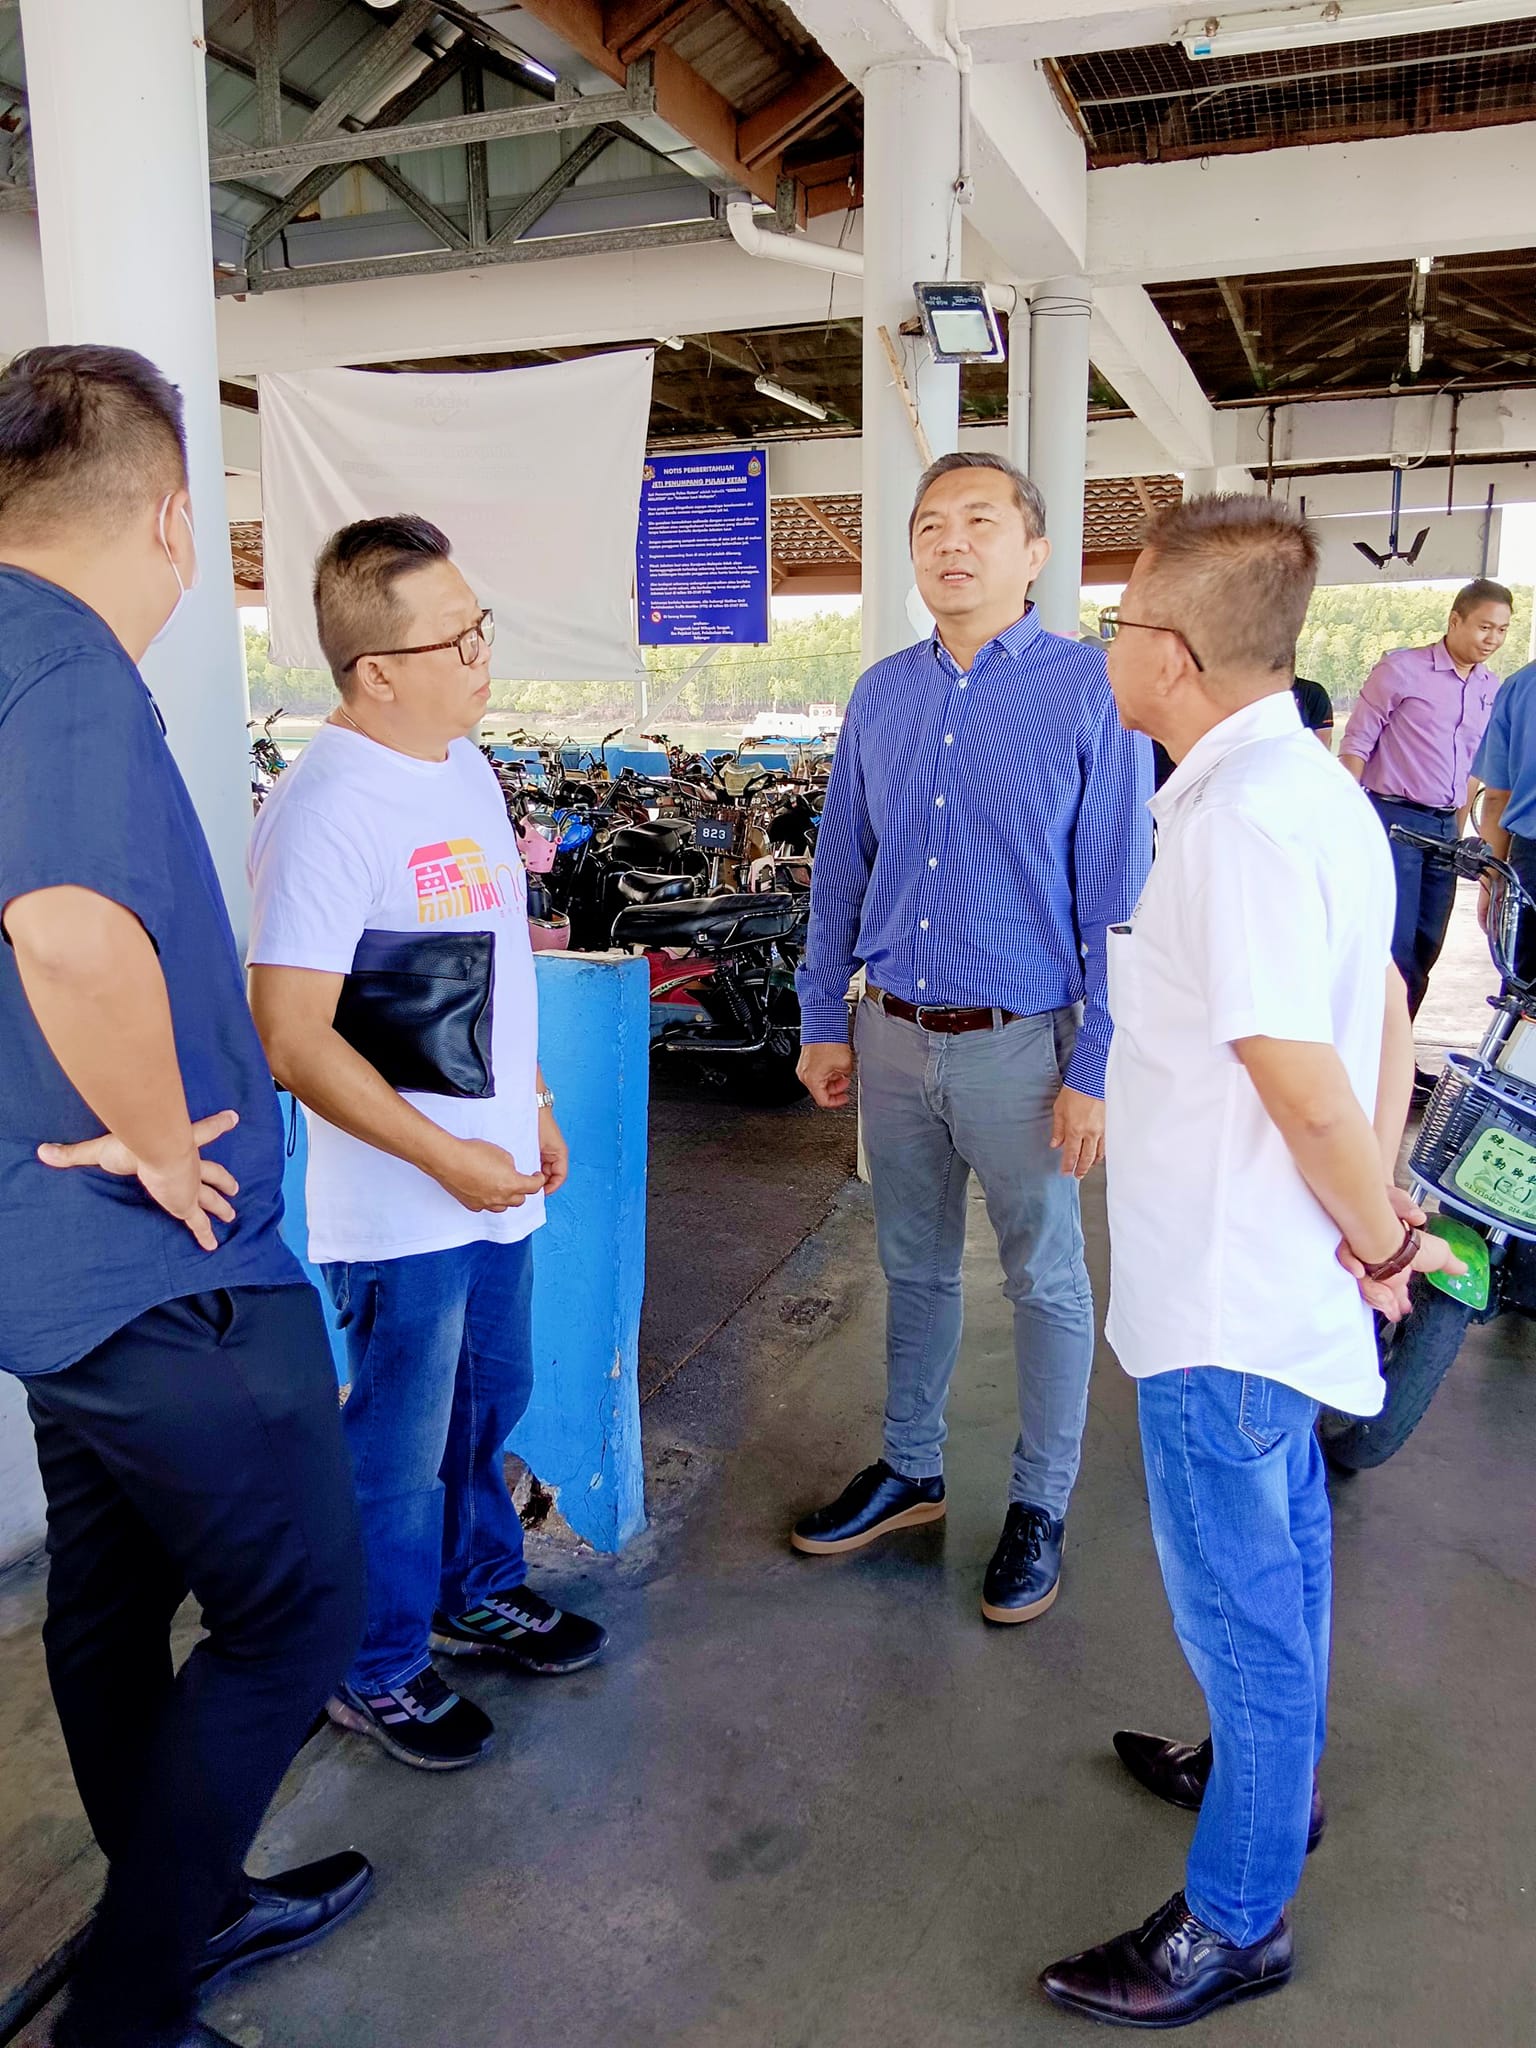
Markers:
{"x": 343, "y": 712}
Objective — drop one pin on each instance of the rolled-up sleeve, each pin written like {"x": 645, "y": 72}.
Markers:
{"x": 845, "y": 855}
{"x": 1373, "y": 707}
{"x": 1111, "y": 855}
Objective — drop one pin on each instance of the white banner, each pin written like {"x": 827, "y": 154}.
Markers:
{"x": 534, "y": 475}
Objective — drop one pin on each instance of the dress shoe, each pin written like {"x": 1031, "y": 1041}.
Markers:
{"x": 874, "y": 1503}
{"x": 1179, "y": 1771}
{"x": 1168, "y": 1972}
{"x": 1024, "y": 1576}
{"x": 286, "y": 1912}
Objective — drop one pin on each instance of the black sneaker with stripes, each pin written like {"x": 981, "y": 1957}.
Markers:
{"x": 422, "y": 1722}
{"x": 523, "y": 1627}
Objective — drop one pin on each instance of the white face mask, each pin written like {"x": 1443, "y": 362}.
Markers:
{"x": 182, "y": 589}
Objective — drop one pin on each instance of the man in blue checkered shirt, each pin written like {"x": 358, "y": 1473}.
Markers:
{"x": 985, "y": 825}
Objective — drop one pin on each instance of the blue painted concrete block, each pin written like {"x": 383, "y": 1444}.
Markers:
{"x": 581, "y": 1435}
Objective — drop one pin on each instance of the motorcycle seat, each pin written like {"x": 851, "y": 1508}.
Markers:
{"x": 708, "y": 923}
{"x": 657, "y": 840}
{"x": 637, "y": 887}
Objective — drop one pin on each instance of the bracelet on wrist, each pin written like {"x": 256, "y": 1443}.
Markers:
{"x": 1401, "y": 1259}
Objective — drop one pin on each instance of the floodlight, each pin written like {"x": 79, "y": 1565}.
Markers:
{"x": 1253, "y": 32}
{"x": 959, "y": 323}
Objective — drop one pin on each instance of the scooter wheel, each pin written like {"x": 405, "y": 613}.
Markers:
{"x": 1417, "y": 1353}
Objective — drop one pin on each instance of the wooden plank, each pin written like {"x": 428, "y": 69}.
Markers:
{"x": 794, "y": 113}
{"x": 1139, "y": 485}
{"x": 814, "y": 512}
{"x": 635, "y": 26}
{"x": 684, "y": 100}
{"x": 914, "y": 420}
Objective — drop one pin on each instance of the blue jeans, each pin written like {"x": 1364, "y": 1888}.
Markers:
{"x": 440, "y": 1359}
{"x": 1241, "y": 1521}
{"x": 936, "y": 1108}
{"x": 1426, "y": 893}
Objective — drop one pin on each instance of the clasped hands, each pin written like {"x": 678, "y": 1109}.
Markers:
{"x": 1390, "y": 1298}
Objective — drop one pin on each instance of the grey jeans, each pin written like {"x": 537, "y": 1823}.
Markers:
{"x": 937, "y": 1107}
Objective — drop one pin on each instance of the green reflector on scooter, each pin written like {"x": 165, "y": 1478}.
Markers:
{"x": 1473, "y": 1286}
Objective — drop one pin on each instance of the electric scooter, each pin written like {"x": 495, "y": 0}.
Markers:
{"x": 1476, "y": 1155}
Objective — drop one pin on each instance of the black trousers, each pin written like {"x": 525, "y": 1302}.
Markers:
{"x": 1426, "y": 892}
{"x": 1522, "y": 858}
{"x": 199, "y": 1450}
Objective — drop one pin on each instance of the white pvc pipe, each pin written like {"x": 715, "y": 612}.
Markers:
{"x": 797, "y": 249}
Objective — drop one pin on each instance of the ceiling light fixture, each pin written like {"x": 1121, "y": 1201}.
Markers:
{"x": 1339, "y": 21}
{"x": 539, "y": 70}
{"x": 769, "y": 389}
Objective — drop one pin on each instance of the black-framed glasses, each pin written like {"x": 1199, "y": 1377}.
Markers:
{"x": 471, "y": 643}
{"x": 1110, "y": 623}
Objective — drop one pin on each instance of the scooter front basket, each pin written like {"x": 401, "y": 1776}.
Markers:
{"x": 1477, "y": 1145}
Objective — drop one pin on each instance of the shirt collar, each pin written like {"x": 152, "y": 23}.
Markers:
{"x": 1274, "y": 717}
{"x": 1440, "y": 658}
{"x": 1015, "y": 640}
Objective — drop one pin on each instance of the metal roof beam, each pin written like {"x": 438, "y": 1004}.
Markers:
{"x": 371, "y": 75}
{"x": 636, "y": 102}
{"x": 446, "y": 229}
{"x": 269, "y": 78}
{"x": 539, "y": 201}
{"x": 433, "y": 263}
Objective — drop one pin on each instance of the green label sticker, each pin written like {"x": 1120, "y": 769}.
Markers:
{"x": 1498, "y": 1172}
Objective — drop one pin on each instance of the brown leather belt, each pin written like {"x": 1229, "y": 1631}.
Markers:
{"x": 936, "y": 1019}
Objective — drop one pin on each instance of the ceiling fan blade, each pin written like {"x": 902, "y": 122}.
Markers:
{"x": 1413, "y": 553}
{"x": 1370, "y": 554}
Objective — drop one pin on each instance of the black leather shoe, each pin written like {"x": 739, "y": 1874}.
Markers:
{"x": 1024, "y": 1576}
{"x": 288, "y": 1911}
{"x": 1168, "y": 1972}
{"x": 873, "y": 1504}
{"x": 1179, "y": 1771}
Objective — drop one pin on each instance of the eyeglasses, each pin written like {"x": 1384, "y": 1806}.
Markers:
{"x": 1111, "y": 623}
{"x": 471, "y": 643}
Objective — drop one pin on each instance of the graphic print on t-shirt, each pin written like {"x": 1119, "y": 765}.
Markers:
{"x": 452, "y": 879}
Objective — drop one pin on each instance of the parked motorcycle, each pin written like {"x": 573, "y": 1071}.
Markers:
{"x": 1476, "y": 1153}
{"x": 734, "y": 981}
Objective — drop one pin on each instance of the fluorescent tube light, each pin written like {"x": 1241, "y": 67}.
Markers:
{"x": 1337, "y": 21}
{"x": 539, "y": 70}
{"x": 771, "y": 390}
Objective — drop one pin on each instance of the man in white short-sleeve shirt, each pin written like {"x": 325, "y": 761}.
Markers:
{"x": 422, "y": 1203}
{"x": 1257, "y": 1091}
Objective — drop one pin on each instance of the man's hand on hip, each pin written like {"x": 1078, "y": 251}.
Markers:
{"x": 1077, "y": 1131}
{"x": 483, "y": 1176}
{"x": 827, "y": 1072}
{"x": 191, "y": 1188}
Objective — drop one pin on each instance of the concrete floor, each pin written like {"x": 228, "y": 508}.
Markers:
{"x": 817, "y": 1804}
{"x": 812, "y": 1804}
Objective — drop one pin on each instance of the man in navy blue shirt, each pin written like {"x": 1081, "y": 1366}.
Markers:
{"x": 178, "y": 1373}
{"x": 985, "y": 825}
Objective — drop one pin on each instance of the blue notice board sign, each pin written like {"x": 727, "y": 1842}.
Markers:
{"x": 702, "y": 558}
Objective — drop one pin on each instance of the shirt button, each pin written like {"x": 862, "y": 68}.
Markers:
{"x": 922, "y": 984}
{"x": 963, "y": 682}
{"x": 922, "y": 924}
{"x": 933, "y": 863}
{"x": 949, "y": 739}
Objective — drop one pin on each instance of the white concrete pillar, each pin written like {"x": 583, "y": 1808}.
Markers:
{"x": 911, "y": 234}
{"x": 120, "y": 146}
{"x": 1058, "y": 415}
{"x": 1018, "y": 383}
{"x": 1206, "y": 483}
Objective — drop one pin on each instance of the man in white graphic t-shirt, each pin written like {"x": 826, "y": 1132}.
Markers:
{"x": 421, "y": 1204}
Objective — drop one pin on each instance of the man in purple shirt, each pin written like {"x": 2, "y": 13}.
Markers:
{"x": 1410, "y": 742}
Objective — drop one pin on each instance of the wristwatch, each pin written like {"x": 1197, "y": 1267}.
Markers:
{"x": 1400, "y": 1260}
{"x": 545, "y": 1098}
